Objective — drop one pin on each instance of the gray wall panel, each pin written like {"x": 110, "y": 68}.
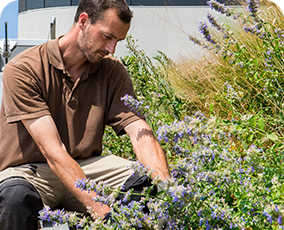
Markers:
{"x": 22, "y": 5}
{"x": 170, "y": 3}
{"x": 75, "y": 2}
{"x": 51, "y": 3}
{"x": 34, "y": 4}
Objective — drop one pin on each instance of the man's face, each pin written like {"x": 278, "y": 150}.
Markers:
{"x": 99, "y": 39}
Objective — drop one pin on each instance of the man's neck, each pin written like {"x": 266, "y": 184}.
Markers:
{"x": 74, "y": 61}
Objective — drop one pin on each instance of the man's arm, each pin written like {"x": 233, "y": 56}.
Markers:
{"x": 147, "y": 148}
{"x": 45, "y": 134}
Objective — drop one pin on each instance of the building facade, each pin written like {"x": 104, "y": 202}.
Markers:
{"x": 158, "y": 25}
{"x": 35, "y": 4}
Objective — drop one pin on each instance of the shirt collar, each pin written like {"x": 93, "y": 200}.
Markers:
{"x": 55, "y": 57}
{"x": 54, "y": 54}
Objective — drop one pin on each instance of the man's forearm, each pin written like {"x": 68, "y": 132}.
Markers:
{"x": 147, "y": 149}
{"x": 68, "y": 171}
{"x": 45, "y": 134}
{"x": 150, "y": 153}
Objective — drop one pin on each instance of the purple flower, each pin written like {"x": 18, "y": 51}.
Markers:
{"x": 132, "y": 103}
{"x": 221, "y": 8}
{"x": 252, "y": 7}
{"x": 195, "y": 40}
{"x": 199, "y": 213}
{"x": 279, "y": 220}
{"x": 214, "y": 22}
{"x": 203, "y": 28}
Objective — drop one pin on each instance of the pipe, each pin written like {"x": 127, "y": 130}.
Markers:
{"x": 6, "y": 41}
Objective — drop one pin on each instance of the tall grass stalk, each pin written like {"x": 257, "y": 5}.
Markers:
{"x": 243, "y": 71}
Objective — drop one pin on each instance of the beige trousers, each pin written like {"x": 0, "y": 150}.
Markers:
{"x": 111, "y": 169}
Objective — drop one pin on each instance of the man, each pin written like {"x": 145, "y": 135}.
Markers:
{"x": 57, "y": 99}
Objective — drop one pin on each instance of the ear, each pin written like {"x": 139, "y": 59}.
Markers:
{"x": 83, "y": 19}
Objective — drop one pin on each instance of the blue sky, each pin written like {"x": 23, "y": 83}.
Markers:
{"x": 9, "y": 13}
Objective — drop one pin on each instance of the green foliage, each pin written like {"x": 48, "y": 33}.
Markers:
{"x": 117, "y": 145}
{"x": 227, "y": 161}
{"x": 213, "y": 185}
{"x": 151, "y": 83}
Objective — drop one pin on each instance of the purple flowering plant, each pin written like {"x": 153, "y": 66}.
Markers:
{"x": 249, "y": 46}
{"x": 213, "y": 185}
{"x": 226, "y": 173}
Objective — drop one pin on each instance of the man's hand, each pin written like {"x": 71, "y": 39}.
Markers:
{"x": 98, "y": 209}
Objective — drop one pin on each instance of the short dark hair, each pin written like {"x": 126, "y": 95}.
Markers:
{"x": 96, "y": 8}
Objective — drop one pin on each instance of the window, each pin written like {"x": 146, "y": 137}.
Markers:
{"x": 74, "y": 2}
{"x": 51, "y": 3}
{"x": 22, "y": 6}
{"x": 168, "y": 2}
{"x": 177, "y": 2}
{"x": 34, "y": 4}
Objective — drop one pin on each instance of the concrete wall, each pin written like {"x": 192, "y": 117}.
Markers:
{"x": 156, "y": 28}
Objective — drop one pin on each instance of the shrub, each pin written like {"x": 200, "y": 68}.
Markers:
{"x": 212, "y": 186}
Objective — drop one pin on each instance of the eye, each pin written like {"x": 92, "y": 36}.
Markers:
{"x": 107, "y": 37}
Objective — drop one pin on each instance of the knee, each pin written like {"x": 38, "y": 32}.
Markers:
{"x": 17, "y": 193}
{"x": 19, "y": 205}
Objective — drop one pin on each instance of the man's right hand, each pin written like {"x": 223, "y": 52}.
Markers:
{"x": 97, "y": 209}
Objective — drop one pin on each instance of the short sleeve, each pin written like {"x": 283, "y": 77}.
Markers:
{"x": 119, "y": 115}
{"x": 22, "y": 94}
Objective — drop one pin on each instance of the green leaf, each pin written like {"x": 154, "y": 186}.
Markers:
{"x": 261, "y": 124}
{"x": 272, "y": 137}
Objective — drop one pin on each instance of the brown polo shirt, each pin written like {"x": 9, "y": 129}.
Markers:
{"x": 35, "y": 84}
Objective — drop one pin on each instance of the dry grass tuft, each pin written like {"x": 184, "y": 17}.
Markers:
{"x": 203, "y": 82}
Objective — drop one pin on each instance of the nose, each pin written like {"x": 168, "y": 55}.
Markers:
{"x": 110, "y": 47}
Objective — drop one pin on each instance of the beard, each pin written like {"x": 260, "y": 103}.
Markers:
{"x": 91, "y": 56}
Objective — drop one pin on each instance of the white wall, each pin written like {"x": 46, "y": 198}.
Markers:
{"x": 156, "y": 28}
